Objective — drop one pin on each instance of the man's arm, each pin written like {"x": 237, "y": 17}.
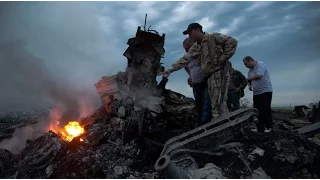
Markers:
{"x": 194, "y": 52}
{"x": 260, "y": 72}
{"x": 243, "y": 80}
{"x": 249, "y": 83}
{"x": 229, "y": 45}
{"x": 256, "y": 77}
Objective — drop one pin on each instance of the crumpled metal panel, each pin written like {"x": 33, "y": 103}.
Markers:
{"x": 144, "y": 54}
{"x": 202, "y": 138}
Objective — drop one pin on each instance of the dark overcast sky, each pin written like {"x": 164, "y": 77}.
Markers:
{"x": 79, "y": 42}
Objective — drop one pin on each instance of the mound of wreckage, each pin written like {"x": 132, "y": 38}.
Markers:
{"x": 144, "y": 130}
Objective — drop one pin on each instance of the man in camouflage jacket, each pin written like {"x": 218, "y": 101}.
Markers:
{"x": 212, "y": 52}
{"x": 238, "y": 83}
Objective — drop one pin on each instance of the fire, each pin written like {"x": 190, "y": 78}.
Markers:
{"x": 68, "y": 132}
{"x": 72, "y": 129}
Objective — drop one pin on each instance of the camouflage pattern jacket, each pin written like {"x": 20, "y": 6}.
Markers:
{"x": 238, "y": 79}
{"x": 222, "y": 48}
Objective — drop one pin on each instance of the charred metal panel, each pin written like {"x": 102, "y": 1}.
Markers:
{"x": 202, "y": 140}
{"x": 144, "y": 54}
{"x": 310, "y": 130}
{"x": 139, "y": 79}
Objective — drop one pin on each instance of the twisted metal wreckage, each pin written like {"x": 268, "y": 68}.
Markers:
{"x": 175, "y": 160}
{"x": 144, "y": 53}
{"x": 142, "y": 69}
{"x": 134, "y": 108}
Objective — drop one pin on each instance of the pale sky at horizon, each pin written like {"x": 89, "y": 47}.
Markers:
{"x": 79, "y": 42}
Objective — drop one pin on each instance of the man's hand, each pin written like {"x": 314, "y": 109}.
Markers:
{"x": 190, "y": 82}
{"x": 249, "y": 85}
{"x": 165, "y": 73}
{"x": 237, "y": 90}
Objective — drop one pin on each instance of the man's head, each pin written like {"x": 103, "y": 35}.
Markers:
{"x": 194, "y": 31}
{"x": 248, "y": 62}
{"x": 187, "y": 43}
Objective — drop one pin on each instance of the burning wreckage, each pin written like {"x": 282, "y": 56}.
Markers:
{"x": 146, "y": 131}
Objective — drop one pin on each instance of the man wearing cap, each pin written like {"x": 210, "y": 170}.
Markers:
{"x": 212, "y": 52}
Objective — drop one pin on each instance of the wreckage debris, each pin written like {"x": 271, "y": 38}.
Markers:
{"x": 310, "y": 130}
{"x": 300, "y": 111}
{"x": 143, "y": 54}
{"x": 258, "y": 156}
{"x": 209, "y": 135}
{"x": 113, "y": 148}
{"x": 6, "y": 158}
{"x": 315, "y": 115}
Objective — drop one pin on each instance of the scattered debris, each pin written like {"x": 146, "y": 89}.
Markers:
{"x": 114, "y": 149}
{"x": 310, "y": 130}
{"x": 259, "y": 174}
{"x": 258, "y": 151}
{"x": 209, "y": 171}
{"x": 119, "y": 170}
{"x": 300, "y": 111}
{"x": 315, "y": 139}
{"x": 315, "y": 114}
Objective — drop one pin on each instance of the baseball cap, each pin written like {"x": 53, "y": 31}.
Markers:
{"x": 192, "y": 26}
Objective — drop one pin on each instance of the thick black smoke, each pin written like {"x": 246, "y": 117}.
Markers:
{"x": 51, "y": 55}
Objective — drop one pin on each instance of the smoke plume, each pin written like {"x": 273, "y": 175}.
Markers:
{"x": 53, "y": 52}
{"x": 51, "y": 55}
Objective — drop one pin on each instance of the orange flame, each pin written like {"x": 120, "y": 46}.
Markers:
{"x": 72, "y": 129}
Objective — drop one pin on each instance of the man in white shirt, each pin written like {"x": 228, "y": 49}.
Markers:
{"x": 259, "y": 82}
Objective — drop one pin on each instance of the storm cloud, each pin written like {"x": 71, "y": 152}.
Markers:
{"x": 71, "y": 45}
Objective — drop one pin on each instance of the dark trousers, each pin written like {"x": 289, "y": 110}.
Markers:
{"x": 262, "y": 102}
{"x": 233, "y": 101}
{"x": 203, "y": 103}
